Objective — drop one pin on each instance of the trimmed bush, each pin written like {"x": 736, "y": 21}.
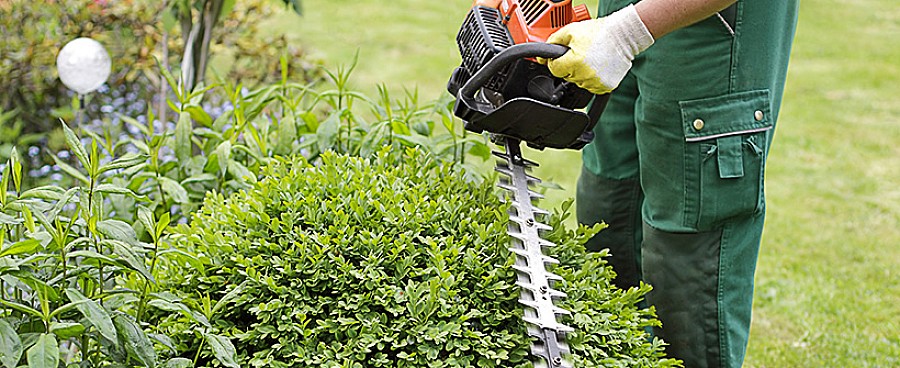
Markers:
{"x": 393, "y": 261}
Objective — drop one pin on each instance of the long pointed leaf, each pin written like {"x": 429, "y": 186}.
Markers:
{"x": 135, "y": 341}
{"x": 223, "y": 350}
{"x": 123, "y": 162}
{"x": 25, "y": 246}
{"x": 76, "y": 147}
{"x": 73, "y": 172}
{"x": 94, "y": 313}
{"x": 22, "y": 308}
{"x": 183, "y": 132}
{"x": 132, "y": 260}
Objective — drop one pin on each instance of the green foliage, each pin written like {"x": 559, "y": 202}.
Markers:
{"x": 175, "y": 169}
{"x": 390, "y": 261}
{"x": 69, "y": 276}
{"x": 81, "y": 263}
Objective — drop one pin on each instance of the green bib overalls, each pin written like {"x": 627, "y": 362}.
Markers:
{"x": 676, "y": 170}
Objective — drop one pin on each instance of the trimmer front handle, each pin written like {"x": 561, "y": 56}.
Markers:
{"x": 538, "y": 123}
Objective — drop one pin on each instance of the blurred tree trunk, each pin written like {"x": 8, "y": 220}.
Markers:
{"x": 197, "y": 36}
{"x": 197, "y": 33}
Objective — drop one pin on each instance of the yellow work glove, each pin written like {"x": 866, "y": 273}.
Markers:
{"x": 600, "y": 50}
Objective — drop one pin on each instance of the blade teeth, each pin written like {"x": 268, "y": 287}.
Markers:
{"x": 538, "y": 211}
{"x": 522, "y": 269}
{"x": 541, "y": 226}
{"x": 553, "y": 293}
{"x": 529, "y": 163}
{"x": 506, "y": 186}
{"x": 554, "y": 277}
{"x": 535, "y": 195}
{"x": 521, "y": 252}
{"x": 519, "y": 236}
{"x": 555, "y": 326}
{"x": 541, "y": 314}
{"x": 503, "y": 170}
{"x": 547, "y": 244}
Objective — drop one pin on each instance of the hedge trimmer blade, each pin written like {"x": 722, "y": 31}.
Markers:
{"x": 537, "y": 293}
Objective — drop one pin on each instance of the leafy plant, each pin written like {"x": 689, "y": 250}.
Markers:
{"x": 69, "y": 275}
{"x": 226, "y": 153}
{"x": 390, "y": 261}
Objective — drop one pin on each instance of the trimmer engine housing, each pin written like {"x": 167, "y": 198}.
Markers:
{"x": 494, "y": 26}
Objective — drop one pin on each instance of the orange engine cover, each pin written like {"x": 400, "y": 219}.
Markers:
{"x": 536, "y": 20}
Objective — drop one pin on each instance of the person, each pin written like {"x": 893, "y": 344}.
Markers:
{"x": 676, "y": 168}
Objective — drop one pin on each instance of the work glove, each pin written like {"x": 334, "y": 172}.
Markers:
{"x": 600, "y": 50}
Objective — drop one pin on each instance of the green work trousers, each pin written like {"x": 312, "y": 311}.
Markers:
{"x": 676, "y": 170}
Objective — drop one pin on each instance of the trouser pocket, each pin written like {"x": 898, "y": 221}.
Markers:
{"x": 725, "y": 147}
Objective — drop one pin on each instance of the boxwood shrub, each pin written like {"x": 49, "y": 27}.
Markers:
{"x": 393, "y": 261}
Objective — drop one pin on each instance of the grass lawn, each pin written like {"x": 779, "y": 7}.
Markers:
{"x": 828, "y": 281}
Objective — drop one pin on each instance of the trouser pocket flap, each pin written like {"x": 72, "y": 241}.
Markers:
{"x": 726, "y": 115}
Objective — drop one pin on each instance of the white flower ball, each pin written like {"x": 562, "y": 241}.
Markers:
{"x": 83, "y": 65}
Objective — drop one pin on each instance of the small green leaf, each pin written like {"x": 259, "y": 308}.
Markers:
{"x": 10, "y": 345}
{"x": 4, "y": 182}
{"x": 22, "y": 308}
{"x": 89, "y": 254}
{"x": 126, "y": 161}
{"x": 66, "y": 330}
{"x": 168, "y": 76}
{"x": 223, "y": 154}
{"x": 145, "y": 216}
{"x": 229, "y": 297}
{"x": 9, "y": 220}
{"x": 178, "y": 363}
{"x": 132, "y": 260}
{"x": 73, "y": 172}
{"x": 94, "y": 313}
{"x": 199, "y": 115}
{"x": 135, "y": 340}
{"x": 49, "y": 192}
{"x": 174, "y": 190}
{"x": 287, "y": 134}
{"x": 22, "y": 247}
{"x": 118, "y": 230}
{"x": 223, "y": 350}
{"x": 132, "y": 121}
{"x": 172, "y": 306}
{"x": 183, "y": 131}
{"x": 114, "y": 189}
{"x": 44, "y": 353}
{"x": 161, "y": 225}
{"x": 76, "y": 147}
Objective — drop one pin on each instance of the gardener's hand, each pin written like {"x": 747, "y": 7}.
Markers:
{"x": 600, "y": 50}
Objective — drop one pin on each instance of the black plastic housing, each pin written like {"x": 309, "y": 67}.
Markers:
{"x": 516, "y": 96}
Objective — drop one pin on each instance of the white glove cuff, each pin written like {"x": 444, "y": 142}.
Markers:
{"x": 630, "y": 30}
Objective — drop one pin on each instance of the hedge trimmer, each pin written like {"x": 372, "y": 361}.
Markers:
{"x": 502, "y": 90}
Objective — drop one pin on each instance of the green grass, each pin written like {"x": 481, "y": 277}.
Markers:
{"x": 828, "y": 281}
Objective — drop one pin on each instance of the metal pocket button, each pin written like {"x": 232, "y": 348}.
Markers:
{"x": 698, "y": 124}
